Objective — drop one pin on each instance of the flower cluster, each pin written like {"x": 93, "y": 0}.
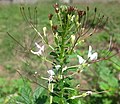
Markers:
{"x": 72, "y": 28}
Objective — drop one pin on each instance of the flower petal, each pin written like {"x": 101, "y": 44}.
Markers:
{"x": 39, "y": 52}
{"x": 36, "y": 53}
{"x": 51, "y": 72}
{"x": 81, "y": 60}
{"x": 94, "y": 56}
{"x": 42, "y": 48}
{"x": 37, "y": 45}
{"x": 90, "y": 52}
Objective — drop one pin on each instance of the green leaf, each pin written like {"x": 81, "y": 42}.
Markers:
{"x": 38, "y": 92}
{"x": 53, "y": 54}
{"x": 113, "y": 82}
{"x": 103, "y": 85}
{"x": 39, "y": 96}
{"x": 25, "y": 95}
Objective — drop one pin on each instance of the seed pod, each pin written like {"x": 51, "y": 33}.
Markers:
{"x": 87, "y": 8}
{"x": 95, "y": 9}
{"x": 54, "y": 28}
{"x": 71, "y": 9}
{"x": 50, "y": 16}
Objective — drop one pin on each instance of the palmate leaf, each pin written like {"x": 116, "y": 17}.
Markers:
{"x": 25, "y": 95}
{"x": 39, "y": 96}
{"x": 38, "y": 92}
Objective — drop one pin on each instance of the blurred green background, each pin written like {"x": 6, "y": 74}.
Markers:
{"x": 104, "y": 76}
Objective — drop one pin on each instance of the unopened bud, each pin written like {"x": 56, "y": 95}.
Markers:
{"x": 56, "y": 5}
{"x": 51, "y": 23}
{"x": 82, "y": 30}
{"x": 72, "y": 18}
{"x": 87, "y": 8}
{"x": 72, "y": 39}
{"x": 44, "y": 31}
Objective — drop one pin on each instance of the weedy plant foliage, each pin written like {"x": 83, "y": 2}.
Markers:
{"x": 70, "y": 28}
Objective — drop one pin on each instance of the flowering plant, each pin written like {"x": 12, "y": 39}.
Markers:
{"x": 70, "y": 28}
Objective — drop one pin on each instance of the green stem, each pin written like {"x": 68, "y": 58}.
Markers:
{"x": 44, "y": 58}
{"x": 50, "y": 87}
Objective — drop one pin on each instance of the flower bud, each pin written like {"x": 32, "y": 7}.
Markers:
{"x": 72, "y": 19}
{"x": 56, "y": 5}
{"x": 87, "y": 8}
{"x": 82, "y": 30}
{"x": 51, "y": 23}
{"x": 72, "y": 39}
{"x": 44, "y": 31}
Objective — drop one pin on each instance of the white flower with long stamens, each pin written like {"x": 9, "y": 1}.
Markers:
{"x": 81, "y": 60}
{"x": 51, "y": 75}
{"x": 40, "y": 51}
{"x": 92, "y": 56}
{"x": 51, "y": 72}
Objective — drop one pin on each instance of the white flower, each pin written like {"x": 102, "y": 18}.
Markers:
{"x": 92, "y": 56}
{"x": 51, "y": 72}
{"x": 51, "y": 75}
{"x": 57, "y": 67}
{"x": 40, "y": 51}
{"x": 81, "y": 60}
